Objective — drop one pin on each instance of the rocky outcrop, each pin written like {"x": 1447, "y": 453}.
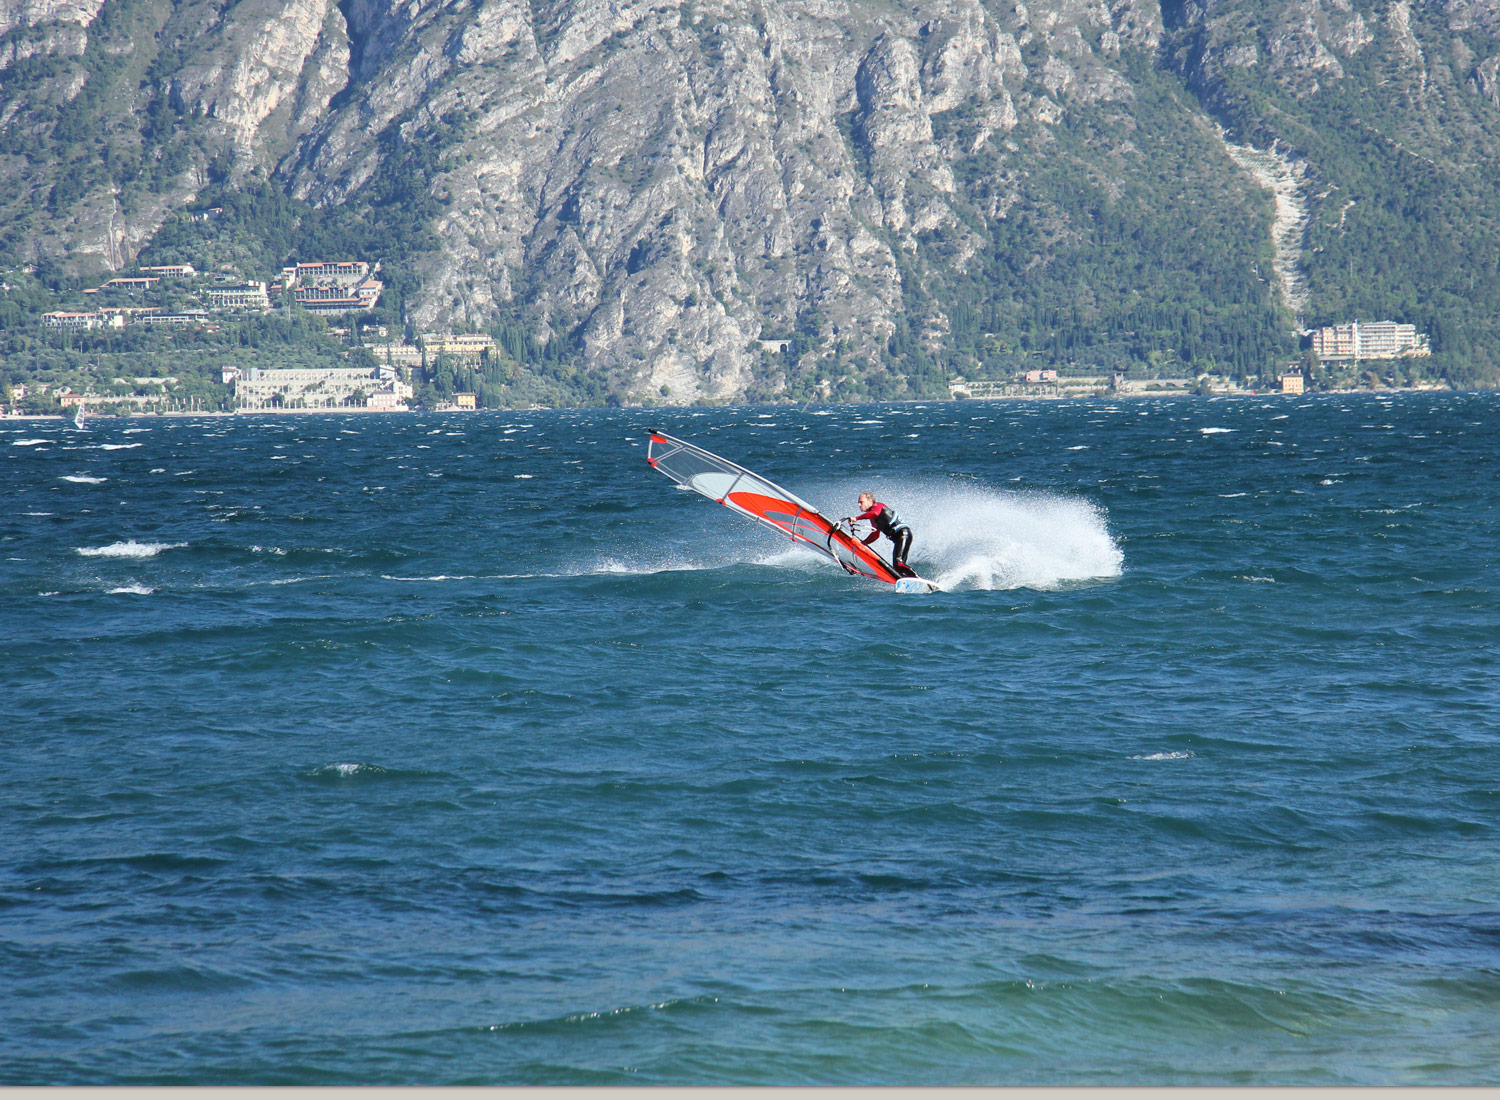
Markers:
{"x": 1486, "y": 80}
{"x": 265, "y": 57}
{"x": 35, "y": 13}
{"x": 1298, "y": 44}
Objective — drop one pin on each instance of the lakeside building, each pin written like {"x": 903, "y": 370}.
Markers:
{"x": 473, "y": 345}
{"x": 128, "y": 314}
{"x": 242, "y": 297}
{"x": 1369, "y": 340}
{"x": 399, "y": 355}
{"x": 126, "y": 282}
{"x": 171, "y": 271}
{"x": 72, "y": 322}
{"x": 388, "y": 400}
{"x": 345, "y": 273}
{"x": 316, "y": 388}
{"x": 193, "y": 317}
{"x": 1041, "y": 376}
{"x": 339, "y": 299}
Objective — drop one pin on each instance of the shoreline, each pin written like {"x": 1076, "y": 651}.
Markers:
{"x": 1111, "y": 395}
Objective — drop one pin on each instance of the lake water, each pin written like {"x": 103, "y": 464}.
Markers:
{"x": 464, "y": 748}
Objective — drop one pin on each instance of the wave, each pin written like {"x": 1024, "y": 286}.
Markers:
{"x": 129, "y": 549}
{"x": 132, "y": 590}
{"x": 83, "y": 479}
{"x": 1216, "y": 431}
{"x": 118, "y": 446}
{"x": 28, "y": 442}
{"x": 346, "y": 771}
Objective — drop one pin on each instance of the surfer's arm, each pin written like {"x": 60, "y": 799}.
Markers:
{"x": 873, "y": 536}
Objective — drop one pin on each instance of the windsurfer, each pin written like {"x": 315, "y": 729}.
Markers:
{"x": 884, "y": 521}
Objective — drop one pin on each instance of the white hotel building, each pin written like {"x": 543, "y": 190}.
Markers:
{"x": 1369, "y": 340}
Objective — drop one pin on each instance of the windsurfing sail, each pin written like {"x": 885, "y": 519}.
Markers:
{"x": 767, "y": 503}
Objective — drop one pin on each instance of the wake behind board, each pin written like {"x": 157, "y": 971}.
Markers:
{"x": 767, "y": 503}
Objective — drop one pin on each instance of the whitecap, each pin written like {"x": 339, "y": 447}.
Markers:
{"x": 523, "y": 477}
{"x": 83, "y": 479}
{"x": 1080, "y": 447}
{"x": 132, "y": 590}
{"x": 1164, "y": 756}
{"x": 36, "y": 513}
{"x": 119, "y": 446}
{"x": 347, "y": 771}
{"x": 28, "y": 442}
{"x": 1216, "y": 431}
{"x": 1231, "y": 496}
{"x": 129, "y": 549}
{"x": 1253, "y": 579}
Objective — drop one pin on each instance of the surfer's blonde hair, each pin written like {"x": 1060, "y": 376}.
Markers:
{"x": 867, "y": 493}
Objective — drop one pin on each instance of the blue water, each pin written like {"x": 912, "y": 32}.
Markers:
{"x": 466, "y": 749}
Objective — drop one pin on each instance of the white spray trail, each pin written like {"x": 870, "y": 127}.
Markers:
{"x": 971, "y": 536}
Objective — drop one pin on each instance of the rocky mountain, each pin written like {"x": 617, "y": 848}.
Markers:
{"x": 721, "y": 198}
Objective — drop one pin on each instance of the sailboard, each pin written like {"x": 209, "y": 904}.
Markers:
{"x": 767, "y": 503}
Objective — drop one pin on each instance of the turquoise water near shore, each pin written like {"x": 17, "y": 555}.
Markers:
{"x": 464, "y": 749}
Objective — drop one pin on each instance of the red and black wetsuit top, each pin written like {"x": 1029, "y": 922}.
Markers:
{"x": 884, "y": 519}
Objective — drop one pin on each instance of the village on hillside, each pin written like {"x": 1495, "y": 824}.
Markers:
{"x": 335, "y": 289}
{"x": 181, "y": 299}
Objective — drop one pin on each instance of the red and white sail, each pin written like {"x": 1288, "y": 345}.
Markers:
{"x": 765, "y": 502}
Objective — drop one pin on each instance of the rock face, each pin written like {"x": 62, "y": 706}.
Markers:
{"x": 15, "y": 14}
{"x": 263, "y": 58}
{"x": 666, "y": 184}
{"x": 672, "y": 182}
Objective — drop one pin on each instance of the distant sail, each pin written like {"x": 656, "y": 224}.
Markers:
{"x": 765, "y": 502}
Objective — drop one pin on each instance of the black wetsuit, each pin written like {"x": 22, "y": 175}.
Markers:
{"x": 886, "y": 522}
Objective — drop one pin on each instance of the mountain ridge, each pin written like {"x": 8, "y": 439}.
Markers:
{"x": 905, "y": 191}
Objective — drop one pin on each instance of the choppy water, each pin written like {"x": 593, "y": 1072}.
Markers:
{"x": 463, "y": 749}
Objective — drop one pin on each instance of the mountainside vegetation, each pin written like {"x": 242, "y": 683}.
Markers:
{"x": 683, "y": 200}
